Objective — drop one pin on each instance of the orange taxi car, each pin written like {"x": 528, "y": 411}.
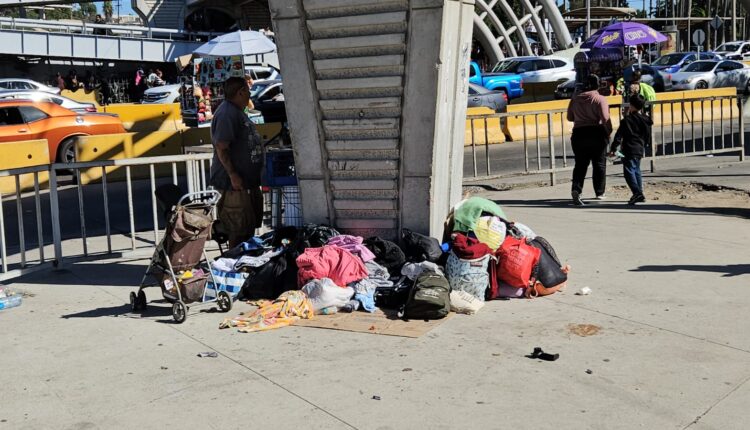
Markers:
{"x": 30, "y": 120}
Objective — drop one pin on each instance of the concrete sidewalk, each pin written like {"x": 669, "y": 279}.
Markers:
{"x": 670, "y": 347}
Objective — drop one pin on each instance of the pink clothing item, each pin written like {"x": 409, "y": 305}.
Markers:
{"x": 352, "y": 244}
{"x": 337, "y": 264}
{"x": 589, "y": 108}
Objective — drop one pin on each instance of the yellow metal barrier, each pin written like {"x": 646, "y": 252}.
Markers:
{"x": 82, "y": 96}
{"x": 23, "y": 154}
{"x": 147, "y": 117}
{"x": 126, "y": 145}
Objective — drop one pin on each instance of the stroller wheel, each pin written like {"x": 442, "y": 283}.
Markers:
{"x": 133, "y": 302}
{"x": 224, "y": 301}
{"x": 179, "y": 311}
{"x": 141, "y": 300}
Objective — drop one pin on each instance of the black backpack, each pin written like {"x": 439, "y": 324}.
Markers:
{"x": 418, "y": 247}
{"x": 387, "y": 254}
{"x": 549, "y": 269}
{"x": 429, "y": 299}
{"x": 394, "y": 297}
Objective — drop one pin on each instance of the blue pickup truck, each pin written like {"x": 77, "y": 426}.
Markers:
{"x": 509, "y": 83}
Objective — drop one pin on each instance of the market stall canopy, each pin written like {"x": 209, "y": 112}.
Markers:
{"x": 622, "y": 34}
{"x": 246, "y": 42}
{"x": 183, "y": 61}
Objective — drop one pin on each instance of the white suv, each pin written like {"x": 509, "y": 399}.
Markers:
{"x": 734, "y": 51}
{"x": 171, "y": 93}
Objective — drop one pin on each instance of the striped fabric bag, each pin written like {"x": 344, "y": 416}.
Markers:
{"x": 231, "y": 282}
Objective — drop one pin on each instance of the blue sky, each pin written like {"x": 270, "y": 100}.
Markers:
{"x": 125, "y": 8}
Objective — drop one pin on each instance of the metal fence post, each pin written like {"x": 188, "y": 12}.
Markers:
{"x": 551, "y": 139}
{"x": 54, "y": 207}
{"x": 742, "y": 128}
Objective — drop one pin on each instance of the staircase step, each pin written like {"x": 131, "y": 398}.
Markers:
{"x": 362, "y": 165}
{"x": 367, "y": 8}
{"x": 361, "y": 184}
{"x": 360, "y": 93}
{"x": 359, "y": 83}
{"x": 344, "y": 63}
{"x": 369, "y": 103}
{"x": 346, "y": 204}
{"x": 365, "y": 195}
{"x": 383, "y": 233}
{"x": 359, "y": 145}
{"x": 341, "y": 43}
{"x": 359, "y": 25}
{"x": 365, "y": 223}
{"x": 360, "y": 72}
{"x": 359, "y": 51}
{"x": 365, "y": 154}
{"x": 364, "y": 174}
{"x": 355, "y": 214}
{"x": 363, "y": 113}
{"x": 364, "y": 134}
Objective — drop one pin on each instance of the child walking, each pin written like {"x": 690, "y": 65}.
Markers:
{"x": 633, "y": 136}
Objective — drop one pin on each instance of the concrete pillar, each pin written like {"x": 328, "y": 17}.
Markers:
{"x": 376, "y": 99}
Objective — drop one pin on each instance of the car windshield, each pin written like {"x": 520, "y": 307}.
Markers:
{"x": 729, "y": 47}
{"x": 700, "y": 66}
{"x": 507, "y": 66}
{"x": 258, "y": 88}
{"x": 668, "y": 60}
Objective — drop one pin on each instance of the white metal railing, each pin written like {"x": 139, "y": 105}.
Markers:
{"x": 189, "y": 169}
{"x": 684, "y": 127}
{"x": 83, "y": 27}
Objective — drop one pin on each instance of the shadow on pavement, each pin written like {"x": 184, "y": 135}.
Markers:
{"x": 728, "y": 271}
{"x": 109, "y": 274}
{"x": 622, "y": 206}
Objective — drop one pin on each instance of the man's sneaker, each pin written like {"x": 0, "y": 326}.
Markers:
{"x": 640, "y": 198}
{"x": 577, "y": 198}
{"x": 601, "y": 197}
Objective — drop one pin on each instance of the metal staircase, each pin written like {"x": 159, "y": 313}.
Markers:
{"x": 358, "y": 63}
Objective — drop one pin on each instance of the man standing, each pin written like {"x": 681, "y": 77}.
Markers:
{"x": 589, "y": 112}
{"x": 237, "y": 164}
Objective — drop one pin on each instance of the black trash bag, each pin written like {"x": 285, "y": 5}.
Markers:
{"x": 396, "y": 296}
{"x": 548, "y": 270}
{"x": 418, "y": 247}
{"x": 271, "y": 279}
{"x": 387, "y": 254}
{"x": 311, "y": 236}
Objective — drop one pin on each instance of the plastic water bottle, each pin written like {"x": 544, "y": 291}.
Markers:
{"x": 9, "y": 299}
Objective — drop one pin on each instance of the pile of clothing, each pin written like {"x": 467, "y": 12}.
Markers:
{"x": 315, "y": 270}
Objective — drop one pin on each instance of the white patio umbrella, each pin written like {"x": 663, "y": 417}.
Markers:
{"x": 246, "y": 42}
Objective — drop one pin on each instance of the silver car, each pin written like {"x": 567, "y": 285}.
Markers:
{"x": 26, "y": 84}
{"x": 712, "y": 74}
{"x": 40, "y": 96}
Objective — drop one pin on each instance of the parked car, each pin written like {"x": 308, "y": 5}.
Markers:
{"x": 163, "y": 94}
{"x": 26, "y": 84}
{"x": 713, "y": 74}
{"x": 734, "y": 50}
{"x": 29, "y": 120}
{"x": 509, "y": 83}
{"x": 537, "y": 69}
{"x": 565, "y": 90}
{"x": 672, "y": 63}
{"x": 659, "y": 79}
{"x": 482, "y": 97}
{"x": 40, "y": 96}
{"x": 268, "y": 98}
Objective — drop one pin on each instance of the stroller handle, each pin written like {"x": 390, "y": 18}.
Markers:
{"x": 210, "y": 197}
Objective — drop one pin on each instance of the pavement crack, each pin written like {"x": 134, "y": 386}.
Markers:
{"x": 653, "y": 326}
{"x": 271, "y": 381}
{"x": 699, "y": 417}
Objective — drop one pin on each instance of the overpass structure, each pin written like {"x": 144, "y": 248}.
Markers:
{"x": 52, "y": 39}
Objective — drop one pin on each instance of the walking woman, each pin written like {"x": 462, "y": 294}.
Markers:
{"x": 589, "y": 112}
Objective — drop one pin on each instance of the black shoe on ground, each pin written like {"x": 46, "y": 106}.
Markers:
{"x": 577, "y": 198}
{"x": 640, "y": 198}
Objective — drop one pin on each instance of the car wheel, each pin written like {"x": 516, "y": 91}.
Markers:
{"x": 66, "y": 152}
{"x": 701, "y": 85}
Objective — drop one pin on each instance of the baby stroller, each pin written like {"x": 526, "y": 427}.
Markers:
{"x": 180, "y": 253}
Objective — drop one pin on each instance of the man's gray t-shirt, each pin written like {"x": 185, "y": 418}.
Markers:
{"x": 231, "y": 124}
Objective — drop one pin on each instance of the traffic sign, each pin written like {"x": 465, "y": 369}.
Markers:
{"x": 699, "y": 36}
{"x": 717, "y": 22}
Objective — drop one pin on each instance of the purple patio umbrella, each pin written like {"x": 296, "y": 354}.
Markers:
{"x": 622, "y": 34}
